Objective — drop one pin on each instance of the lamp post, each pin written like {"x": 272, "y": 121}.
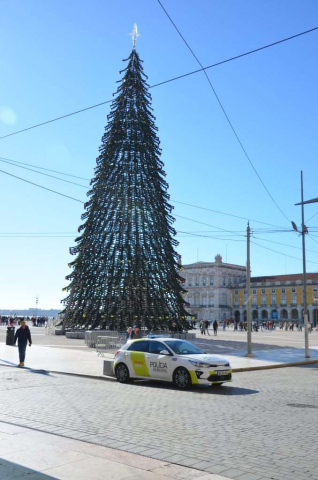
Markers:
{"x": 303, "y": 232}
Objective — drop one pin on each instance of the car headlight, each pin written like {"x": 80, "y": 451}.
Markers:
{"x": 199, "y": 364}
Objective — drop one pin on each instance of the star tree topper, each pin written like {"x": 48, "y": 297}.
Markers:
{"x": 134, "y": 35}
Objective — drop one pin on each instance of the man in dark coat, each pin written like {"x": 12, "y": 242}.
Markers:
{"x": 23, "y": 335}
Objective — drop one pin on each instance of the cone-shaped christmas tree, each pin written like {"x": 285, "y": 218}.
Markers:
{"x": 126, "y": 269}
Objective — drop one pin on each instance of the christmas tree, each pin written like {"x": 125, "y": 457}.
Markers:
{"x": 126, "y": 267}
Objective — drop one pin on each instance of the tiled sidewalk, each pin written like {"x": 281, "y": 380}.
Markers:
{"x": 28, "y": 454}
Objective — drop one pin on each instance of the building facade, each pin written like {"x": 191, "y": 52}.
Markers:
{"x": 277, "y": 297}
{"x": 209, "y": 288}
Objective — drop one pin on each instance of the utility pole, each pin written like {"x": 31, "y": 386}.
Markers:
{"x": 303, "y": 232}
{"x": 248, "y": 291}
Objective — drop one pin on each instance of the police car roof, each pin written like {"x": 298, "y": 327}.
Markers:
{"x": 155, "y": 338}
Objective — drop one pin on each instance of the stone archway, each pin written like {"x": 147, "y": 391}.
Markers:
{"x": 237, "y": 316}
{"x": 245, "y": 315}
{"x": 274, "y": 315}
{"x": 284, "y": 314}
{"x": 255, "y": 315}
{"x": 294, "y": 314}
{"x": 264, "y": 314}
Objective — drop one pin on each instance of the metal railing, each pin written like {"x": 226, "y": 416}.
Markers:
{"x": 108, "y": 344}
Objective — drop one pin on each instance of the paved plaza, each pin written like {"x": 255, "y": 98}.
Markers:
{"x": 263, "y": 426}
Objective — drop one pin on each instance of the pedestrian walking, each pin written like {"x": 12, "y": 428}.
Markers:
{"x": 23, "y": 335}
{"x": 202, "y": 327}
{"x": 215, "y": 327}
{"x": 207, "y": 324}
{"x": 224, "y": 325}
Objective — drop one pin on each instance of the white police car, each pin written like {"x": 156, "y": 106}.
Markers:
{"x": 170, "y": 360}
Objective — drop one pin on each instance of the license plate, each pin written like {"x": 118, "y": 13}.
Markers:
{"x": 223, "y": 372}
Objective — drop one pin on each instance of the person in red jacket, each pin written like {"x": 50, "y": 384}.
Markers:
{"x": 23, "y": 335}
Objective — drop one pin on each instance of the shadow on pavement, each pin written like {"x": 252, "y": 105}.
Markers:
{"x": 10, "y": 470}
{"x": 198, "y": 389}
{"x": 6, "y": 363}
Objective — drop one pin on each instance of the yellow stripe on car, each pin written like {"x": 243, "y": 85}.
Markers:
{"x": 139, "y": 365}
{"x": 194, "y": 378}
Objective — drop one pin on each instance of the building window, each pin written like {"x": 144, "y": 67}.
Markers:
{"x": 244, "y": 300}
{"x": 236, "y": 292}
{"x": 224, "y": 281}
{"x": 254, "y": 301}
{"x": 283, "y": 290}
{"x": 190, "y": 281}
{"x": 293, "y": 290}
{"x": 273, "y": 290}
{"x": 204, "y": 281}
{"x": 284, "y": 299}
{"x": 264, "y": 300}
{"x": 197, "y": 281}
{"x": 315, "y": 289}
{"x": 273, "y": 299}
{"x": 254, "y": 292}
{"x": 196, "y": 301}
{"x": 245, "y": 292}
{"x": 263, "y": 290}
{"x": 211, "y": 301}
{"x": 211, "y": 280}
{"x": 204, "y": 301}
{"x": 294, "y": 301}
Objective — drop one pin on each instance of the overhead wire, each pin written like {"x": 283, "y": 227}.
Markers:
{"x": 42, "y": 173}
{"x": 42, "y": 168}
{"x": 41, "y": 186}
{"x": 13, "y": 162}
{"x": 222, "y": 62}
{"x": 280, "y": 253}
{"x": 224, "y": 112}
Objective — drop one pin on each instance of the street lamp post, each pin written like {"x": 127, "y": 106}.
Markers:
{"x": 248, "y": 291}
{"x": 303, "y": 232}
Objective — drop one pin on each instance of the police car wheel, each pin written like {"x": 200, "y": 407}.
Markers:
{"x": 122, "y": 373}
{"x": 181, "y": 378}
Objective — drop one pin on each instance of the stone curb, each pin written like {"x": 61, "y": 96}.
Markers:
{"x": 269, "y": 367}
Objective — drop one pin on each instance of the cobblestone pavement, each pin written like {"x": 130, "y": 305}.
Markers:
{"x": 261, "y": 427}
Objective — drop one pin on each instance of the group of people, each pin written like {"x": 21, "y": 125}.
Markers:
{"x": 12, "y": 321}
{"x": 206, "y": 324}
{"x": 133, "y": 333}
{"x": 294, "y": 326}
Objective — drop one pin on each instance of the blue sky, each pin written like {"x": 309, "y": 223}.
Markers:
{"x": 58, "y": 57}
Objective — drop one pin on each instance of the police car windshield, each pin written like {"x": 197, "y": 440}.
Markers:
{"x": 183, "y": 348}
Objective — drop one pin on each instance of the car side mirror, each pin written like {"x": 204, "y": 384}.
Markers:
{"x": 164, "y": 352}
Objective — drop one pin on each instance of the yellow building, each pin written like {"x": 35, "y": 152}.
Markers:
{"x": 277, "y": 297}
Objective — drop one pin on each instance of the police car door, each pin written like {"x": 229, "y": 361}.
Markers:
{"x": 136, "y": 358}
{"x": 159, "y": 366}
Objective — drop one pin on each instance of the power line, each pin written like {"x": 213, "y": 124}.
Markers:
{"x": 42, "y": 168}
{"x": 230, "y": 239}
{"x": 223, "y": 213}
{"x": 36, "y": 236}
{"x": 40, "y": 186}
{"x": 236, "y": 57}
{"x": 224, "y": 112}
{"x": 173, "y": 201}
{"x": 312, "y": 217}
{"x": 280, "y": 253}
{"x": 46, "y": 174}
